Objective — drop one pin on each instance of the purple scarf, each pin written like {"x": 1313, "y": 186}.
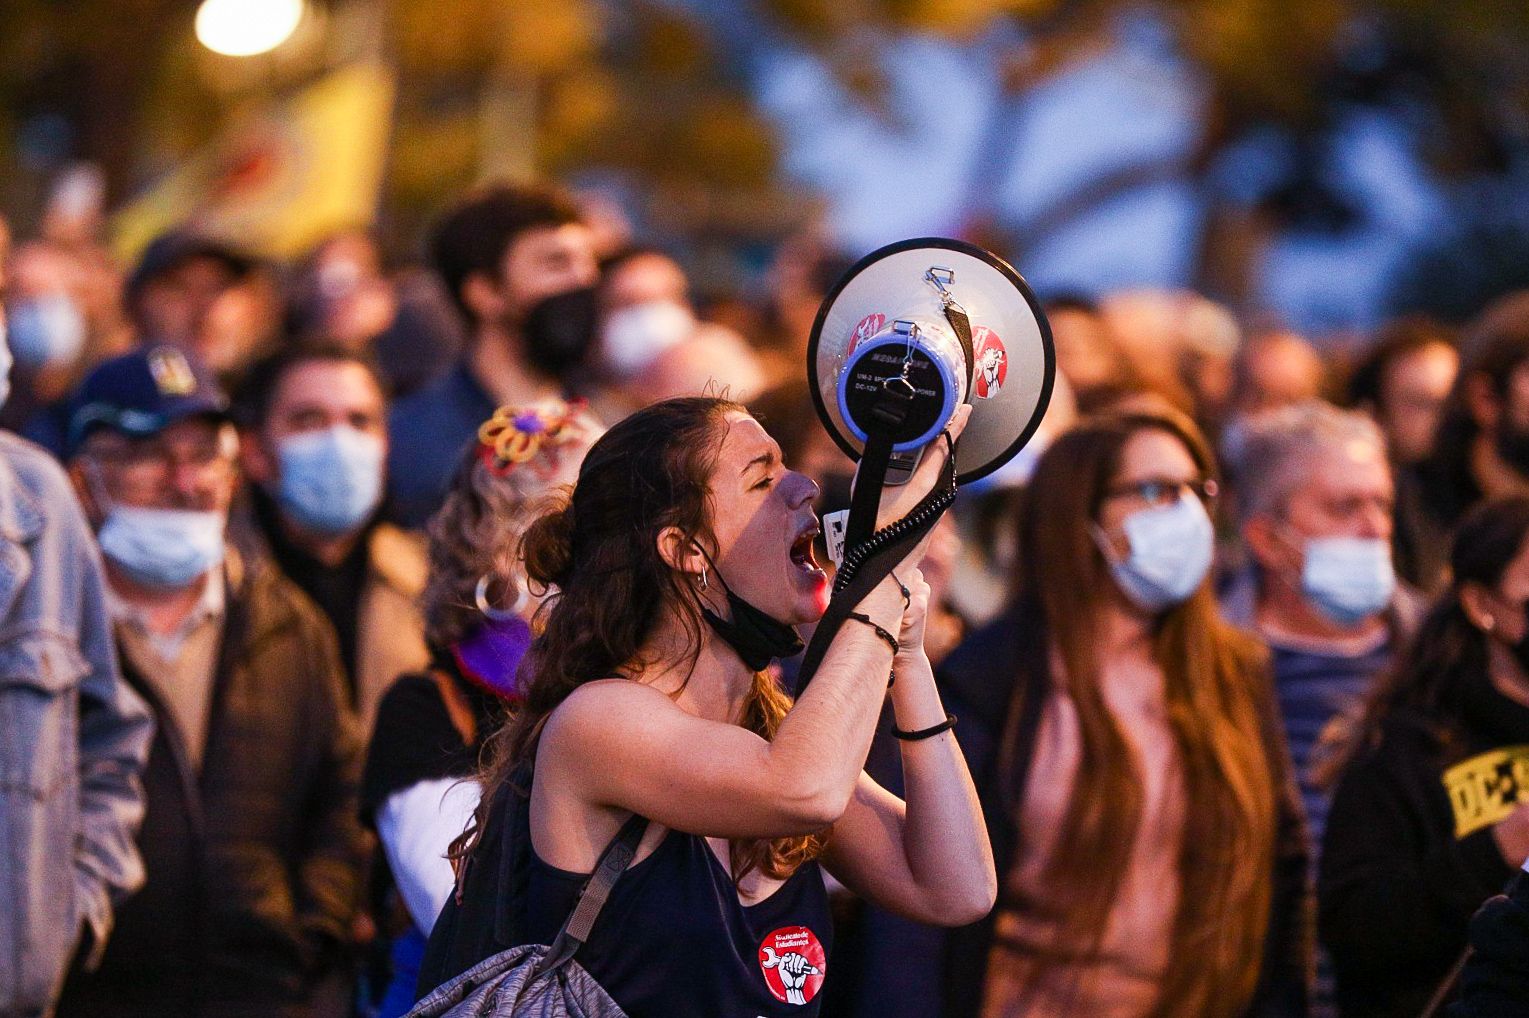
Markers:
{"x": 490, "y": 655}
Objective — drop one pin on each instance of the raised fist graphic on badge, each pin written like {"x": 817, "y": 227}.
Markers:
{"x": 794, "y": 964}
{"x": 794, "y": 970}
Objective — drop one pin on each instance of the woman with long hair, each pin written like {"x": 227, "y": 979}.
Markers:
{"x": 680, "y": 563}
{"x": 1431, "y": 813}
{"x": 431, "y": 725}
{"x": 1480, "y": 450}
{"x": 1148, "y": 836}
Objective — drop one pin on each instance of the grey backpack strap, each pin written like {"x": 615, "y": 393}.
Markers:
{"x": 613, "y": 862}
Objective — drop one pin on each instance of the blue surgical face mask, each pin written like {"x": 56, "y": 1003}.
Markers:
{"x": 46, "y": 329}
{"x": 1171, "y": 551}
{"x": 163, "y": 548}
{"x": 1348, "y": 579}
{"x": 331, "y": 480}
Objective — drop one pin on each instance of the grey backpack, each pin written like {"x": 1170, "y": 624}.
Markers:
{"x": 540, "y": 980}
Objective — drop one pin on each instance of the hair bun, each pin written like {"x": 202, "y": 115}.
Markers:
{"x": 547, "y": 546}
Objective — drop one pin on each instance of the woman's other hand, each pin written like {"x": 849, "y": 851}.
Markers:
{"x": 910, "y": 637}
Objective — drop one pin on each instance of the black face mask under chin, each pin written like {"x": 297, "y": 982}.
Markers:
{"x": 755, "y": 637}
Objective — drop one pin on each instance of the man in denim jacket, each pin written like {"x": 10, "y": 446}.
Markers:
{"x": 73, "y": 737}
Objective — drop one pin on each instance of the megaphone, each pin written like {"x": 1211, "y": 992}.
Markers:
{"x": 922, "y": 326}
{"x": 912, "y": 331}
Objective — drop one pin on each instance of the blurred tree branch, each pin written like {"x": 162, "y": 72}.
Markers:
{"x": 660, "y": 89}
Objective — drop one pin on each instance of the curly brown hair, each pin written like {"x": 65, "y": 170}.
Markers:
{"x": 477, "y": 530}
{"x": 611, "y": 587}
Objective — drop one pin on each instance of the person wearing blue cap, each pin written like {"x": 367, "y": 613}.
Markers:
{"x": 251, "y": 840}
{"x": 75, "y": 736}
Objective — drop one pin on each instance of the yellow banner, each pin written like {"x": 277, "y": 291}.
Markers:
{"x": 277, "y": 183}
{"x": 1485, "y": 789}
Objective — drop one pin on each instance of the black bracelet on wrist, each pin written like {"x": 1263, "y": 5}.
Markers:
{"x": 886, "y": 637}
{"x": 925, "y": 733}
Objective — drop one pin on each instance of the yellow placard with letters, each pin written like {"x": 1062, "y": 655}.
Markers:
{"x": 1486, "y": 788}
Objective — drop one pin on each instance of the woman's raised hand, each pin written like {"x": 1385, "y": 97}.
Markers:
{"x": 910, "y": 637}
{"x": 898, "y": 500}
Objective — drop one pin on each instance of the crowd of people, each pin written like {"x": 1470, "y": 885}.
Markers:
{"x": 1237, "y": 648}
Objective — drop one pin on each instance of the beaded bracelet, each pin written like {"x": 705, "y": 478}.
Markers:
{"x": 925, "y": 733}
{"x": 886, "y": 637}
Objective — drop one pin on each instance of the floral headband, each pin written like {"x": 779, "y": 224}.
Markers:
{"x": 515, "y": 435}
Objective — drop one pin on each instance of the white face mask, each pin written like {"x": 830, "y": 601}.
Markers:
{"x": 46, "y": 329}
{"x": 635, "y": 336}
{"x": 1348, "y": 579}
{"x": 163, "y": 548}
{"x": 1172, "y": 547}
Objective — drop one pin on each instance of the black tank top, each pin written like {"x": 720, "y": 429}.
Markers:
{"x": 673, "y": 940}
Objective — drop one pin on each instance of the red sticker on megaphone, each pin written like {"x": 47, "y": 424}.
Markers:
{"x": 992, "y": 362}
{"x": 868, "y": 327}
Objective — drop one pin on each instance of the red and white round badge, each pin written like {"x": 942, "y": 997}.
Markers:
{"x": 793, "y": 963}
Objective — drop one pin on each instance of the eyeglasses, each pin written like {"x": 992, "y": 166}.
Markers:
{"x": 145, "y": 466}
{"x": 1160, "y": 491}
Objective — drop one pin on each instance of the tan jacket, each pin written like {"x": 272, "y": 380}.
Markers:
{"x": 391, "y": 627}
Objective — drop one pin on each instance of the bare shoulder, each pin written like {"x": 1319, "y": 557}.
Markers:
{"x": 599, "y": 734}
{"x": 605, "y": 709}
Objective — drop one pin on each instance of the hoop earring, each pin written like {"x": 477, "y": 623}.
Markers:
{"x": 480, "y": 600}
{"x": 704, "y": 584}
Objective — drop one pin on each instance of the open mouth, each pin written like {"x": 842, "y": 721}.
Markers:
{"x": 802, "y": 552}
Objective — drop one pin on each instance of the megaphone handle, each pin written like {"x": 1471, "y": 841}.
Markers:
{"x": 886, "y": 416}
{"x": 845, "y": 600}
{"x": 870, "y": 479}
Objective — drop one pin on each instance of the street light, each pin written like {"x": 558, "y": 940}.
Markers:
{"x": 245, "y": 28}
